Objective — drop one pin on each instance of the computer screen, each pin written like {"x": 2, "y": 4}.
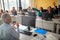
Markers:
{"x": 32, "y": 14}
{"x": 28, "y": 21}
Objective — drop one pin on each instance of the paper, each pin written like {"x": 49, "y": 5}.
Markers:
{"x": 22, "y": 27}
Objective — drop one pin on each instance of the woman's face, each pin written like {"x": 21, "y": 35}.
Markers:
{"x": 48, "y": 8}
{"x": 41, "y": 8}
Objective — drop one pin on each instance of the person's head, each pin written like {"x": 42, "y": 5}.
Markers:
{"x": 6, "y": 18}
{"x": 29, "y": 7}
{"x": 20, "y": 8}
{"x": 13, "y": 8}
{"x": 41, "y": 8}
{"x": 49, "y": 8}
{"x": 6, "y": 11}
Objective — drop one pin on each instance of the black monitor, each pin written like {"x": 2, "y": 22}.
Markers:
{"x": 28, "y": 21}
{"x": 32, "y": 14}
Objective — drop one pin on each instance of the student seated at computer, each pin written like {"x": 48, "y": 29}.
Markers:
{"x": 49, "y": 13}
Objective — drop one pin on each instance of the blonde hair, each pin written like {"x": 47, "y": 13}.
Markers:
{"x": 5, "y": 16}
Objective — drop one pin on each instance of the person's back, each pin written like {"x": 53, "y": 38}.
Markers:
{"x": 7, "y": 32}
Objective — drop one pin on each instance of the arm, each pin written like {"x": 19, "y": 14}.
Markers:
{"x": 35, "y": 9}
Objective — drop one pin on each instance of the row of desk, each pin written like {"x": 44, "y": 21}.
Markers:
{"x": 49, "y": 25}
{"x": 49, "y": 36}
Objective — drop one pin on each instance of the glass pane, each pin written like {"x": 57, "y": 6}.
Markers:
{"x": 17, "y": 3}
{"x": 22, "y": 3}
{"x": 25, "y": 4}
{"x": 6, "y": 4}
{"x": 2, "y": 4}
{"x": 12, "y": 3}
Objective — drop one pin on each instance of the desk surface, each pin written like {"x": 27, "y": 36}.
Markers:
{"x": 25, "y": 37}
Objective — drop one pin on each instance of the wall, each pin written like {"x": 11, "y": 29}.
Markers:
{"x": 31, "y": 3}
{"x": 44, "y": 3}
{"x": 59, "y": 2}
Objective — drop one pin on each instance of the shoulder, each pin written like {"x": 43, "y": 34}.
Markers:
{"x": 1, "y": 26}
{"x": 5, "y": 27}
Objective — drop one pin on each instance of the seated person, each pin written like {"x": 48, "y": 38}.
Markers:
{"x": 14, "y": 12}
{"x": 29, "y": 9}
{"x": 49, "y": 14}
{"x": 7, "y": 32}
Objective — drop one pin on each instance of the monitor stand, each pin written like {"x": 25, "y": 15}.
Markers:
{"x": 29, "y": 28}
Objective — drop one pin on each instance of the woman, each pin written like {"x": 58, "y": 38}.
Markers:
{"x": 49, "y": 14}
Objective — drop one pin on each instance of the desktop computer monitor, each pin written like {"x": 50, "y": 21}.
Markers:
{"x": 28, "y": 21}
{"x": 32, "y": 14}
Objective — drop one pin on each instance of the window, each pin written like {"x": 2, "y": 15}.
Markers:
{"x": 8, "y": 4}
{"x": 2, "y": 7}
{"x": 25, "y": 4}
{"x": 12, "y": 3}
